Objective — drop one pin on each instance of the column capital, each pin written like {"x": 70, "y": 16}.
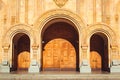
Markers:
{"x": 6, "y": 46}
{"x": 35, "y": 46}
{"x": 114, "y": 47}
{"x": 84, "y": 47}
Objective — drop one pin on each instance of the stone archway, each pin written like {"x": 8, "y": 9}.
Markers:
{"x": 8, "y": 40}
{"x": 18, "y": 28}
{"x": 55, "y": 16}
{"x": 109, "y": 38}
{"x": 20, "y": 52}
{"x": 99, "y": 52}
{"x": 103, "y": 28}
{"x": 58, "y": 35}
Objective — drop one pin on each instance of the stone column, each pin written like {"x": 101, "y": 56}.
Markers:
{"x": 115, "y": 64}
{"x": 34, "y": 67}
{"x": 84, "y": 66}
{"x": 5, "y": 62}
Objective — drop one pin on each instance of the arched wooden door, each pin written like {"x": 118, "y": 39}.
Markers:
{"x": 95, "y": 60}
{"x": 59, "y": 54}
{"x": 24, "y": 60}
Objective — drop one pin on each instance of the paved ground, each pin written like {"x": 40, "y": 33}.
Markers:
{"x": 59, "y": 76}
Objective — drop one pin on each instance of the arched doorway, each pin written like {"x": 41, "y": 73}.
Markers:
{"x": 64, "y": 37}
{"x": 99, "y": 52}
{"x": 20, "y": 52}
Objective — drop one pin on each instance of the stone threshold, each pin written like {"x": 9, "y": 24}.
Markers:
{"x": 59, "y": 76}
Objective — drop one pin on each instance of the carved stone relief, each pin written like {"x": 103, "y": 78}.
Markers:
{"x": 60, "y": 3}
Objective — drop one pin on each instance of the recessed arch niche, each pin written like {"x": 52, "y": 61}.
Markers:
{"x": 99, "y": 52}
{"x": 20, "y": 52}
{"x": 59, "y": 31}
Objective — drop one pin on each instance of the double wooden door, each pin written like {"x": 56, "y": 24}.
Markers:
{"x": 95, "y": 60}
{"x": 59, "y": 54}
{"x": 24, "y": 60}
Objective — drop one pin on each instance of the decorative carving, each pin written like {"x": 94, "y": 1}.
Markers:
{"x": 5, "y": 19}
{"x": 116, "y": 17}
{"x": 108, "y": 19}
{"x": 35, "y": 46}
{"x": 60, "y": 3}
{"x": 6, "y": 46}
{"x": 13, "y": 19}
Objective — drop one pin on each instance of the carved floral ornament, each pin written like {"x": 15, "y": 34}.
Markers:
{"x": 60, "y": 3}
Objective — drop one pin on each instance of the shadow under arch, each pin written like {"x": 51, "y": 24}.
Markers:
{"x": 20, "y": 52}
{"x": 61, "y": 28}
{"x": 99, "y": 45}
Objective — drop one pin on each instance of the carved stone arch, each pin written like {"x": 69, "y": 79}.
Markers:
{"x": 13, "y": 31}
{"x": 101, "y": 28}
{"x": 109, "y": 46}
{"x": 59, "y": 13}
{"x": 19, "y": 28}
{"x": 65, "y": 14}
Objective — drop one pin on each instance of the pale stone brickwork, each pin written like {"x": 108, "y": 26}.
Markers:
{"x": 30, "y": 16}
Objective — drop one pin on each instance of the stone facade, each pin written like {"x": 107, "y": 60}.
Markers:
{"x": 31, "y": 17}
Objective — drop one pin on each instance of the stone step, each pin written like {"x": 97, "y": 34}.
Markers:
{"x": 59, "y": 76}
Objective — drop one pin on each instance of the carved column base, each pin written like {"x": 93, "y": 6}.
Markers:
{"x": 5, "y": 68}
{"x": 85, "y": 67}
{"x": 115, "y": 66}
{"x": 34, "y": 68}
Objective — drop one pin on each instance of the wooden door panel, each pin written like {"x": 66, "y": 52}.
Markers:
{"x": 62, "y": 54}
{"x": 95, "y": 60}
{"x": 48, "y": 59}
{"x": 68, "y": 59}
{"x": 23, "y": 60}
{"x": 72, "y": 58}
{"x": 56, "y": 58}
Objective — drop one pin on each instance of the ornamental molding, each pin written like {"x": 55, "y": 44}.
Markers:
{"x": 60, "y": 3}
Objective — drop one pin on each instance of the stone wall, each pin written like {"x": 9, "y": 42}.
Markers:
{"x": 29, "y": 15}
